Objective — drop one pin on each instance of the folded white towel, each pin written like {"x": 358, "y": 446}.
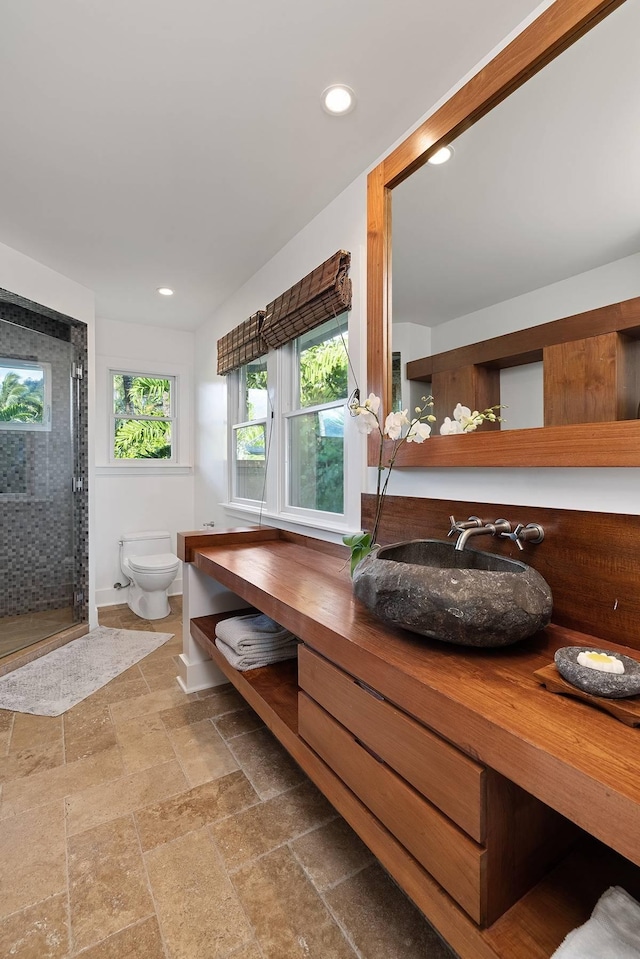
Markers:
{"x": 252, "y": 660}
{"x": 253, "y": 632}
{"x": 612, "y": 932}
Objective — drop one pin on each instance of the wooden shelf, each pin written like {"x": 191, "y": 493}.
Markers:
{"x": 271, "y": 690}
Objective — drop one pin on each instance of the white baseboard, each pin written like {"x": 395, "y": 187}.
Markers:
{"x": 117, "y": 597}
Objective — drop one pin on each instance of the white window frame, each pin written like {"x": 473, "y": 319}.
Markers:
{"x": 45, "y": 426}
{"x": 236, "y": 391}
{"x": 172, "y": 417}
{"x": 282, "y": 383}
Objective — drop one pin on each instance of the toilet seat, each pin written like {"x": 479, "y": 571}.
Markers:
{"x": 156, "y": 563}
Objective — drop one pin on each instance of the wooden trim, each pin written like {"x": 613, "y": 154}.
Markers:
{"x": 378, "y": 294}
{"x": 557, "y": 28}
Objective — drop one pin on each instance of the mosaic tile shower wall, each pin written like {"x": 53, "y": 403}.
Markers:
{"x": 43, "y": 525}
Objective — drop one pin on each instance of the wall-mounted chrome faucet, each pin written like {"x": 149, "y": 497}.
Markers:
{"x": 532, "y": 533}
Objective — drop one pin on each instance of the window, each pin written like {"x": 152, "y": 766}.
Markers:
{"x": 315, "y": 424}
{"x": 287, "y": 421}
{"x": 25, "y": 395}
{"x": 249, "y": 432}
{"x": 143, "y": 417}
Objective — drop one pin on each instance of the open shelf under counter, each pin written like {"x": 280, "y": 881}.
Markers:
{"x": 486, "y": 703}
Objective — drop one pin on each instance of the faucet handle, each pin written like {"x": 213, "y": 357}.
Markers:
{"x": 531, "y": 533}
{"x": 501, "y": 526}
{"x": 459, "y": 527}
{"x": 514, "y": 535}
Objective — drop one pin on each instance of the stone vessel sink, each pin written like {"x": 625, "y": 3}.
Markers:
{"x": 466, "y": 597}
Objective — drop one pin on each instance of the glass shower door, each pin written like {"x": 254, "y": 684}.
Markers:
{"x": 38, "y": 453}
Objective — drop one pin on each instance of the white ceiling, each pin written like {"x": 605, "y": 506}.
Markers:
{"x": 153, "y": 143}
{"x": 545, "y": 187}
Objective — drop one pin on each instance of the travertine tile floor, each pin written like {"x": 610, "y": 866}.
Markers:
{"x": 146, "y": 824}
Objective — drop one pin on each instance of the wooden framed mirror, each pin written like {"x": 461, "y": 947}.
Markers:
{"x": 606, "y": 430}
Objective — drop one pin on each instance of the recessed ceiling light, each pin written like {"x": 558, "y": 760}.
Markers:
{"x": 441, "y": 156}
{"x": 338, "y": 99}
{"x": 165, "y": 291}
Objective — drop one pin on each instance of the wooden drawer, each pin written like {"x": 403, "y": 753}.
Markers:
{"x": 452, "y": 858}
{"x": 450, "y": 780}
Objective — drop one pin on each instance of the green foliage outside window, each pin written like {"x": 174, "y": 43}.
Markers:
{"x": 21, "y": 399}
{"x": 323, "y": 373}
{"x": 318, "y": 439}
{"x": 140, "y": 405}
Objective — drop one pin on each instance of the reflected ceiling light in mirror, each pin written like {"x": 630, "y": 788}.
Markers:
{"x": 441, "y": 156}
{"x": 165, "y": 291}
{"x": 338, "y": 99}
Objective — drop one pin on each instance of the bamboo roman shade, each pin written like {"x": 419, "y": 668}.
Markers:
{"x": 242, "y": 344}
{"x": 322, "y": 295}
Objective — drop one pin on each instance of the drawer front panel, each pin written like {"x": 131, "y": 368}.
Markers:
{"x": 454, "y": 860}
{"x": 450, "y": 780}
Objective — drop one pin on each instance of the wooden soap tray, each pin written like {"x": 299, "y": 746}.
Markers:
{"x": 626, "y": 710}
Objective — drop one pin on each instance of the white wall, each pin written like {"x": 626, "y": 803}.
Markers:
{"x": 26, "y": 277}
{"x": 133, "y": 498}
{"x": 615, "y": 281}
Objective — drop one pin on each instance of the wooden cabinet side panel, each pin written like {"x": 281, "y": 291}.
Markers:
{"x": 525, "y": 839}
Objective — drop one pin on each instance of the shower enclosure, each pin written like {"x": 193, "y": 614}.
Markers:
{"x": 43, "y": 482}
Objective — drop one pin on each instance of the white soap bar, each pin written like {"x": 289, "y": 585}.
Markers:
{"x": 600, "y": 661}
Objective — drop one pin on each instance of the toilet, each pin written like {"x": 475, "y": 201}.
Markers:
{"x": 146, "y": 561}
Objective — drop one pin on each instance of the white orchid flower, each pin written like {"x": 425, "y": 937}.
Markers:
{"x": 419, "y": 432}
{"x": 372, "y": 403}
{"x": 450, "y": 427}
{"x": 366, "y": 421}
{"x": 468, "y": 421}
{"x": 394, "y": 423}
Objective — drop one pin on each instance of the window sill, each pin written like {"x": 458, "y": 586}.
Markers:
{"x": 335, "y": 531}
{"x": 143, "y": 469}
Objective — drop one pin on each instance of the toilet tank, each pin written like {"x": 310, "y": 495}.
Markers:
{"x": 147, "y": 543}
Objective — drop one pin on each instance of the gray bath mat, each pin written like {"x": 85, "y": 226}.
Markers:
{"x": 54, "y": 683}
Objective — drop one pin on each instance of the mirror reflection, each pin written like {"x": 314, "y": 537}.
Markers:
{"x": 535, "y": 217}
